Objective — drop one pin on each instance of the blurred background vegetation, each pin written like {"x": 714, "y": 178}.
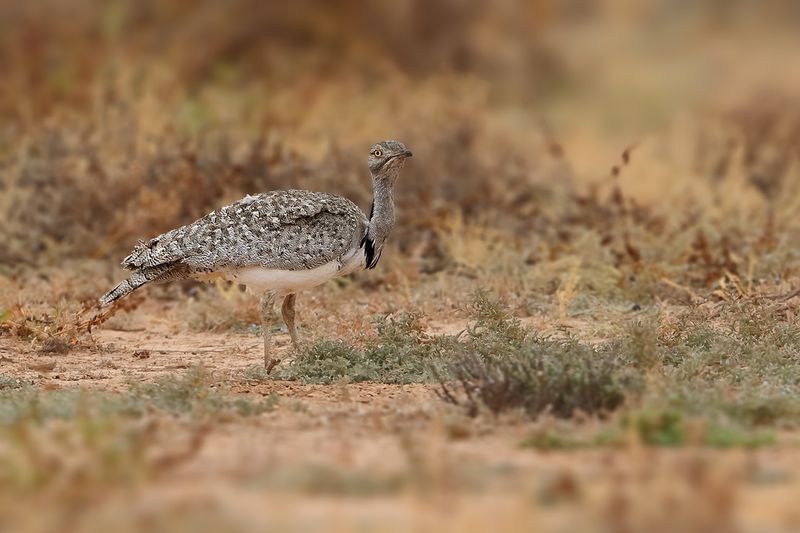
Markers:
{"x": 119, "y": 120}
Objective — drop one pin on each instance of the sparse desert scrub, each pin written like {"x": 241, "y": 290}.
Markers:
{"x": 738, "y": 366}
{"x": 631, "y": 208}
{"x": 196, "y": 395}
{"x": 731, "y": 362}
{"x": 74, "y": 445}
{"x": 55, "y": 310}
{"x": 500, "y": 365}
{"x": 401, "y": 352}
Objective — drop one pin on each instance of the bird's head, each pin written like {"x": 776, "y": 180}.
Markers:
{"x": 386, "y": 159}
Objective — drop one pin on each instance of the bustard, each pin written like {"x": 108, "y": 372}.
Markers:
{"x": 276, "y": 243}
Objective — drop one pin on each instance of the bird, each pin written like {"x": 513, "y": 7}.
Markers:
{"x": 276, "y": 243}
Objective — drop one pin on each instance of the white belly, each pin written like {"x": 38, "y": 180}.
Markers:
{"x": 261, "y": 279}
{"x": 272, "y": 279}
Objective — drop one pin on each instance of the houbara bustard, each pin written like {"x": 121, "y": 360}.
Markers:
{"x": 276, "y": 243}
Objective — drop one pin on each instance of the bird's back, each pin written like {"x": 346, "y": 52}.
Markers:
{"x": 290, "y": 230}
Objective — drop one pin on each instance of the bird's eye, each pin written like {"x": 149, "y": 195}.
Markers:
{"x": 377, "y": 153}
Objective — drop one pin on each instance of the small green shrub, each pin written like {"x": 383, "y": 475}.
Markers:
{"x": 742, "y": 366}
{"x": 194, "y": 394}
{"x": 660, "y": 428}
{"x": 7, "y": 383}
{"x": 552, "y": 440}
{"x": 500, "y": 365}
{"x": 402, "y": 353}
{"x": 31, "y": 404}
{"x": 541, "y": 375}
{"x": 673, "y": 428}
{"x": 657, "y": 428}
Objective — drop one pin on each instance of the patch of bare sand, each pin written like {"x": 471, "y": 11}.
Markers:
{"x": 122, "y": 356}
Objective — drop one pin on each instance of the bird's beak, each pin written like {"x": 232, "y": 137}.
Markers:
{"x": 400, "y": 155}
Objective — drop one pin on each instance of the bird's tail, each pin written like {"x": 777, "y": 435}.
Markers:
{"x": 125, "y": 288}
{"x": 157, "y": 273}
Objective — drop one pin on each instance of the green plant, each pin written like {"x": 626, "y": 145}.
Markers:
{"x": 500, "y": 365}
{"x": 541, "y": 375}
{"x": 194, "y": 394}
{"x": 7, "y": 382}
{"x": 402, "y": 353}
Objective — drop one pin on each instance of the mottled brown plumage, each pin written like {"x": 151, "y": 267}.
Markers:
{"x": 286, "y": 230}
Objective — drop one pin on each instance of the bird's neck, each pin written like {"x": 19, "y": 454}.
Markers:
{"x": 381, "y": 219}
{"x": 382, "y": 216}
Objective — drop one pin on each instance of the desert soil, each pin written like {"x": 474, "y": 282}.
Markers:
{"x": 394, "y": 457}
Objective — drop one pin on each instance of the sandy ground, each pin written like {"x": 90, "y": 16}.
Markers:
{"x": 395, "y": 458}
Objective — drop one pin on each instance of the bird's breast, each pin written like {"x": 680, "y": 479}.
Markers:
{"x": 351, "y": 261}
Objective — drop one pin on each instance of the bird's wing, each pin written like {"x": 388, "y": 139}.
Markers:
{"x": 291, "y": 230}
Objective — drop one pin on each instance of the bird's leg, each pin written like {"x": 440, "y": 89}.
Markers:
{"x": 266, "y": 319}
{"x": 287, "y": 310}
